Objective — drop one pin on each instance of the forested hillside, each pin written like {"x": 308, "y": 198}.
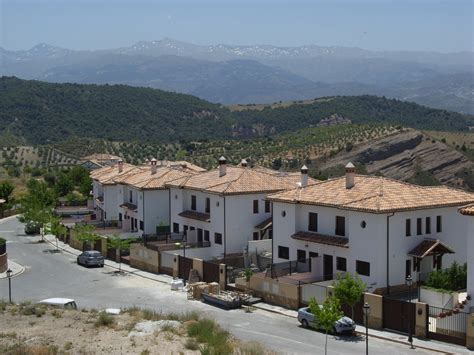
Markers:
{"x": 37, "y": 113}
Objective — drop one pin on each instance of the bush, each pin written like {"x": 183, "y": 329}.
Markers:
{"x": 191, "y": 344}
{"x": 207, "y": 331}
{"x": 104, "y": 320}
{"x": 452, "y": 279}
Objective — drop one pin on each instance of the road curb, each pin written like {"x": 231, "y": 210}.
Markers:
{"x": 111, "y": 266}
{"x": 404, "y": 343}
{"x": 21, "y": 270}
{"x": 6, "y": 219}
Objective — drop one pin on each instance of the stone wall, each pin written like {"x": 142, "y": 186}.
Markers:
{"x": 275, "y": 292}
{"x": 375, "y": 318}
{"x": 470, "y": 332}
{"x": 144, "y": 259}
{"x": 3, "y": 263}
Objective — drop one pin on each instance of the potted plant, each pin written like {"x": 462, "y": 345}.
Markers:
{"x": 442, "y": 315}
{"x": 456, "y": 310}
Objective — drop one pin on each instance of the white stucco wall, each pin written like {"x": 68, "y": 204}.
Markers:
{"x": 370, "y": 243}
{"x": 111, "y": 202}
{"x": 240, "y": 221}
{"x": 470, "y": 259}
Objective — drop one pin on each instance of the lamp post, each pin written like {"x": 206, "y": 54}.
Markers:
{"x": 409, "y": 282}
{"x": 366, "y": 309}
{"x": 9, "y": 275}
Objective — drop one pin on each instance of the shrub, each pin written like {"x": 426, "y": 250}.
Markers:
{"x": 207, "y": 331}
{"x": 452, "y": 279}
{"x": 191, "y": 344}
{"x": 104, "y": 320}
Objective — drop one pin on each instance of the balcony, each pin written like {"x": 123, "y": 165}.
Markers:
{"x": 129, "y": 206}
{"x": 199, "y": 216}
{"x": 312, "y": 237}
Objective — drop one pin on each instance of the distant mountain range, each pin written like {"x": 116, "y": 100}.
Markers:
{"x": 259, "y": 73}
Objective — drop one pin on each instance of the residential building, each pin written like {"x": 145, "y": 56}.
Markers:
{"x": 381, "y": 228}
{"x": 468, "y": 212}
{"x": 97, "y": 161}
{"x": 105, "y": 190}
{"x": 226, "y": 207}
{"x": 143, "y": 199}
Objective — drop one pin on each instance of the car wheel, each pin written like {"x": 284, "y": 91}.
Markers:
{"x": 334, "y": 331}
{"x": 102, "y": 265}
{"x": 304, "y": 323}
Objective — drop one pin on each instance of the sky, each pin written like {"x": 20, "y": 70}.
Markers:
{"x": 426, "y": 25}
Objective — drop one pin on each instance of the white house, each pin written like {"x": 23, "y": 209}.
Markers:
{"x": 226, "y": 207}
{"x": 105, "y": 191}
{"x": 143, "y": 199}
{"x": 381, "y": 228}
{"x": 468, "y": 212}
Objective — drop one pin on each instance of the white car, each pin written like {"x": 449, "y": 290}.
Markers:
{"x": 345, "y": 325}
{"x": 67, "y": 303}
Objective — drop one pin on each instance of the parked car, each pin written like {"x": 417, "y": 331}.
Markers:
{"x": 345, "y": 325}
{"x": 60, "y": 303}
{"x": 91, "y": 258}
{"x": 32, "y": 228}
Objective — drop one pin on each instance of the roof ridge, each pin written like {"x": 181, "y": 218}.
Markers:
{"x": 232, "y": 181}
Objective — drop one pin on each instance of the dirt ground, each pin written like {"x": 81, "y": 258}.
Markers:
{"x": 78, "y": 332}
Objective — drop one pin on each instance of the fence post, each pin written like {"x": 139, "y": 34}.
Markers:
{"x": 470, "y": 331}
{"x": 421, "y": 324}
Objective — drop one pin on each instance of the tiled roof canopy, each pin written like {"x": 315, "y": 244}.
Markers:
{"x": 430, "y": 247}
{"x": 239, "y": 180}
{"x": 321, "y": 239}
{"x": 205, "y": 217}
{"x": 375, "y": 195}
{"x": 468, "y": 210}
{"x": 108, "y": 174}
{"x": 145, "y": 180}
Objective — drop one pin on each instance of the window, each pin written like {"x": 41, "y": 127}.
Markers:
{"x": 428, "y": 225}
{"x": 313, "y": 222}
{"x": 408, "y": 227}
{"x": 301, "y": 255}
{"x": 341, "y": 226}
{"x": 267, "y": 206}
{"x": 185, "y": 229}
{"x": 439, "y": 226}
{"x": 206, "y": 236}
{"x": 192, "y": 228}
{"x": 256, "y": 236}
{"x": 130, "y": 196}
{"x": 199, "y": 235}
{"x": 193, "y": 202}
{"x": 120, "y": 217}
{"x": 313, "y": 255}
{"x": 407, "y": 268}
{"x": 283, "y": 252}
{"x": 175, "y": 227}
{"x": 341, "y": 264}
{"x": 419, "y": 229}
{"x": 363, "y": 268}
{"x": 141, "y": 225}
{"x": 255, "y": 206}
{"x": 218, "y": 238}
{"x": 208, "y": 205}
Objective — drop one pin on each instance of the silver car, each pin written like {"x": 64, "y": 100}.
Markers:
{"x": 91, "y": 258}
{"x": 345, "y": 325}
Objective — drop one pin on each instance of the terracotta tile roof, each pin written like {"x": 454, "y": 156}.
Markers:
{"x": 129, "y": 206}
{"x": 239, "y": 180}
{"x": 428, "y": 247}
{"x": 206, "y": 217}
{"x": 107, "y": 175}
{"x": 321, "y": 239}
{"x": 374, "y": 194}
{"x": 145, "y": 180}
{"x": 467, "y": 210}
{"x": 265, "y": 224}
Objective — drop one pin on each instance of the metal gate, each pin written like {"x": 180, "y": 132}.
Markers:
{"x": 399, "y": 315}
{"x": 358, "y": 312}
{"x": 112, "y": 254}
{"x": 210, "y": 272}
{"x": 185, "y": 265}
{"x": 447, "y": 325}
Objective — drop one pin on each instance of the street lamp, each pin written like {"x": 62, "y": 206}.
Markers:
{"x": 409, "y": 282}
{"x": 366, "y": 309}
{"x": 9, "y": 275}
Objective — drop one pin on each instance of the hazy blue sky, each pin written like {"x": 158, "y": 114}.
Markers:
{"x": 375, "y": 24}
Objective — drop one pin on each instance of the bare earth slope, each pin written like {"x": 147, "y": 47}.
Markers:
{"x": 401, "y": 155}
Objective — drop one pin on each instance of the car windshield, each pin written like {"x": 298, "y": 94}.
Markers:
{"x": 93, "y": 253}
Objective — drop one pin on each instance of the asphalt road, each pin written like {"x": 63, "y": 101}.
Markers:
{"x": 50, "y": 274}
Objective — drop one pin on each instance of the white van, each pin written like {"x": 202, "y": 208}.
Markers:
{"x": 67, "y": 303}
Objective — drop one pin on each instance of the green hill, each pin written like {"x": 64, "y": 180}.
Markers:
{"x": 38, "y": 113}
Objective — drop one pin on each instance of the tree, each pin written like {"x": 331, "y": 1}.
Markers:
{"x": 6, "y": 189}
{"x": 327, "y": 315}
{"x": 85, "y": 233}
{"x": 115, "y": 242}
{"x": 64, "y": 185}
{"x": 349, "y": 290}
{"x": 56, "y": 228}
{"x": 37, "y": 204}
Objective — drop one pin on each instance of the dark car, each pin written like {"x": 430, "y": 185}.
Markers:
{"x": 91, "y": 258}
{"x": 32, "y": 228}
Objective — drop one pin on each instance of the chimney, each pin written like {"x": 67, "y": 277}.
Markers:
{"x": 120, "y": 165}
{"x": 153, "y": 166}
{"x": 147, "y": 161}
{"x": 304, "y": 176}
{"x": 350, "y": 174}
{"x": 243, "y": 163}
{"x": 222, "y": 166}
